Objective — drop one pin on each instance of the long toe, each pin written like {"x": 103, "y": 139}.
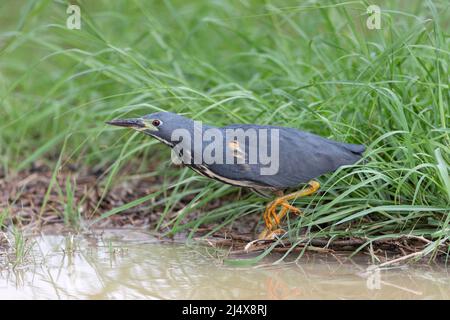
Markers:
{"x": 292, "y": 208}
{"x": 271, "y": 234}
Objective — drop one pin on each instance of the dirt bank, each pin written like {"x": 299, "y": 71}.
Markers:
{"x": 37, "y": 199}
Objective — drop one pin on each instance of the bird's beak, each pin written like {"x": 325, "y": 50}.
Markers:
{"x": 135, "y": 123}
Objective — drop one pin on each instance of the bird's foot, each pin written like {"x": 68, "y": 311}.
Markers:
{"x": 271, "y": 234}
{"x": 272, "y": 219}
{"x": 266, "y": 235}
{"x": 292, "y": 208}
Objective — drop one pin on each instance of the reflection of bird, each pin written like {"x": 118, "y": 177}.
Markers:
{"x": 301, "y": 157}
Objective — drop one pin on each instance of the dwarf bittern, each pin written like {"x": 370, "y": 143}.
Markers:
{"x": 266, "y": 159}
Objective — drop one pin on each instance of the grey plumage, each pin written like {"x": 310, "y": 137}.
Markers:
{"x": 302, "y": 155}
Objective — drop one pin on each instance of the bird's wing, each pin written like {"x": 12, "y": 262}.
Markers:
{"x": 301, "y": 157}
{"x": 244, "y": 169}
{"x": 305, "y": 156}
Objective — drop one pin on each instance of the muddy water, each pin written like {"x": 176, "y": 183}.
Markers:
{"x": 132, "y": 264}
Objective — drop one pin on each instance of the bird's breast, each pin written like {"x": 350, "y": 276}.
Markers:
{"x": 205, "y": 171}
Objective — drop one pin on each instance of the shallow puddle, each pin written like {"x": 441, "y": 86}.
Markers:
{"x": 133, "y": 264}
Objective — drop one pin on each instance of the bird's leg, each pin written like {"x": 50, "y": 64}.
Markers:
{"x": 272, "y": 219}
{"x": 312, "y": 187}
{"x": 288, "y": 207}
{"x": 268, "y": 233}
{"x": 270, "y": 216}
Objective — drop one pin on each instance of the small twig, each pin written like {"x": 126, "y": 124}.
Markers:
{"x": 402, "y": 258}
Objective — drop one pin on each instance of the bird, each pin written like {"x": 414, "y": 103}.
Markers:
{"x": 269, "y": 160}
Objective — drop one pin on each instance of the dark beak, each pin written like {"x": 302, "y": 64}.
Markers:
{"x": 128, "y": 123}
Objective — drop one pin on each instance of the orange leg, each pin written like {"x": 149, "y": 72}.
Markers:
{"x": 273, "y": 220}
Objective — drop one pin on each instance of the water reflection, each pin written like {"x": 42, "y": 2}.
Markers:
{"x": 133, "y": 265}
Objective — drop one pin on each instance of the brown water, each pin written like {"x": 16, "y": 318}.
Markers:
{"x": 132, "y": 264}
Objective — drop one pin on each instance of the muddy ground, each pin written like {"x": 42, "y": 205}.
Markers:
{"x": 32, "y": 206}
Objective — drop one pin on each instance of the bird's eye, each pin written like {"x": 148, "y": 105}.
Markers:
{"x": 156, "y": 123}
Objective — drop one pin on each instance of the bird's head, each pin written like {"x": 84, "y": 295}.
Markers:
{"x": 160, "y": 125}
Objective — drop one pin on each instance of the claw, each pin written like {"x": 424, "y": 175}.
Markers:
{"x": 270, "y": 234}
{"x": 292, "y": 208}
{"x": 272, "y": 219}
{"x": 274, "y": 216}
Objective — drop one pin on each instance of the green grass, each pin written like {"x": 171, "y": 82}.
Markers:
{"x": 3, "y": 216}
{"x": 71, "y": 213}
{"x": 20, "y": 248}
{"x": 310, "y": 65}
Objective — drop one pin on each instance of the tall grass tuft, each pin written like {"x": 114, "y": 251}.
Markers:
{"x": 313, "y": 66}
